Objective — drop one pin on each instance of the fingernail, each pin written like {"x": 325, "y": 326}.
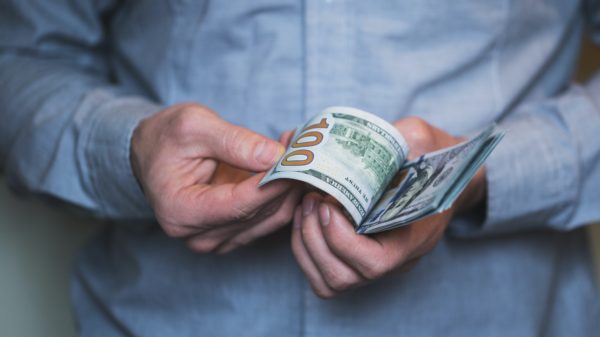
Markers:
{"x": 307, "y": 206}
{"x": 267, "y": 153}
{"x": 324, "y": 215}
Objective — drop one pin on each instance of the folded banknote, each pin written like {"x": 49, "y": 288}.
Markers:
{"x": 361, "y": 160}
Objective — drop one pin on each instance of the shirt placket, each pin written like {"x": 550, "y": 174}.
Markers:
{"x": 328, "y": 54}
{"x": 328, "y": 81}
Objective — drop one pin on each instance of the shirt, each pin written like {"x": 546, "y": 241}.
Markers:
{"x": 78, "y": 76}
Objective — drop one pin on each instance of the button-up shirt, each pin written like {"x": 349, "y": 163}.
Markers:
{"x": 78, "y": 76}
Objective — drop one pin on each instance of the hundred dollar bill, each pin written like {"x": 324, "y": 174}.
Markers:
{"x": 347, "y": 153}
{"x": 431, "y": 183}
{"x": 360, "y": 160}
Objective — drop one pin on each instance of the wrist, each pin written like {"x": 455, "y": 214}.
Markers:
{"x": 107, "y": 152}
{"x": 134, "y": 153}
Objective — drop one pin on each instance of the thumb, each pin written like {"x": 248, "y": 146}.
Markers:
{"x": 286, "y": 137}
{"x": 242, "y": 148}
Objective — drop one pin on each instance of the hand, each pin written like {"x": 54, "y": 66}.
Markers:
{"x": 197, "y": 172}
{"x": 335, "y": 258}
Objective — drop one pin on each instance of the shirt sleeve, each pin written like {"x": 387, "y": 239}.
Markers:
{"x": 545, "y": 174}
{"x": 65, "y": 129}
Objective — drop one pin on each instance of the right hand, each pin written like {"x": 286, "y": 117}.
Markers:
{"x": 196, "y": 171}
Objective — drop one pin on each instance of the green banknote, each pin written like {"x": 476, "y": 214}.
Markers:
{"x": 358, "y": 158}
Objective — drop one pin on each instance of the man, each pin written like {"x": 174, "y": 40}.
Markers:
{"x": 91, "y": 110}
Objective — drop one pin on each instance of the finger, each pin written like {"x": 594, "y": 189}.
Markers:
{"x": 282, "y": 217}
{"x": 335, "y": 272}
{"x": 214, "y": 205}
{"x": 371, "y": 257}
{"x": 423, "y": 137}
{"x": 313, "y": 275}
{"x": 239, "y": 146}
{"x": 418, "y": 238}
{"x": 211, "y": 240}
{"x": 212, "y": 237}
{"x": 286, "y": 137}
{"x": 418, "y": 133}
{"x": 266, "y": 211}
{"x": 202, "y": 244}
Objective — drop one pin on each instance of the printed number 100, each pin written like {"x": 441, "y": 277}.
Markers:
{"x": 310, "y": 137}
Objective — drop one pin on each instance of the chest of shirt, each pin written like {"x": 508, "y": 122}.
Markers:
{"x": 289, "y": 59}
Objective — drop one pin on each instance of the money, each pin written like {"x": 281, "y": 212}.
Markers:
{"x": 347, "y": 153}
{"x": 431, "y": 183}
{"x": 360, "y": 160}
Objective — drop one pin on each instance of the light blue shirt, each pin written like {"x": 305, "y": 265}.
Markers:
{"x": 77, "y": 76}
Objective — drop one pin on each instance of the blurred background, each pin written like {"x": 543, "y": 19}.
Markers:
{"x": 38, "y": 242}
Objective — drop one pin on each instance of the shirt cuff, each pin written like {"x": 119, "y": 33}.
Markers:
{"x": 106, "y": 153}
{"x": 532, "y": 175}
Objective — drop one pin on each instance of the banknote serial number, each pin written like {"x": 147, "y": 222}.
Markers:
{"x": 357, "y": 188}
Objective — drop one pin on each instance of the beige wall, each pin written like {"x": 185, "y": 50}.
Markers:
{"x": 37, "y": 243}
{"x": 36, "y": 247}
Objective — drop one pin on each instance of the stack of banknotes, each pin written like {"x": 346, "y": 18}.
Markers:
{"x": 361, "y": 160}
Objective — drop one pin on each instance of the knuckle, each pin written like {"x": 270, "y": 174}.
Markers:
{"x": 242, "y": 241}
{"x": 324, "y": 293}
{"x": 185, "y": 115}
{"x": 186, "y": 119}
{"x": 418, "y": 130}
{"x": 375, "y": 271}
{"x": 203, "y": 246}
{"x": 169, "y": 217}
{"x": 339, "y": 282}
{"x": 174, "y": 231}
{"x": 416, "y": 123}
{"x": 194, "y": 110}
{"x": 170, "y": 227}
{"x": 242, "y": 213}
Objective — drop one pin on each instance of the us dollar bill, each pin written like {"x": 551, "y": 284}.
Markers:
{"x": 431, "y": 183}
{"x": 360, "y": 160}
{"x": 346, "y": 152}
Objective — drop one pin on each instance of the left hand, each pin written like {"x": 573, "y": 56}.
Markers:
{"x": 335, "y": 258}
{"x": 196, "y": 171}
